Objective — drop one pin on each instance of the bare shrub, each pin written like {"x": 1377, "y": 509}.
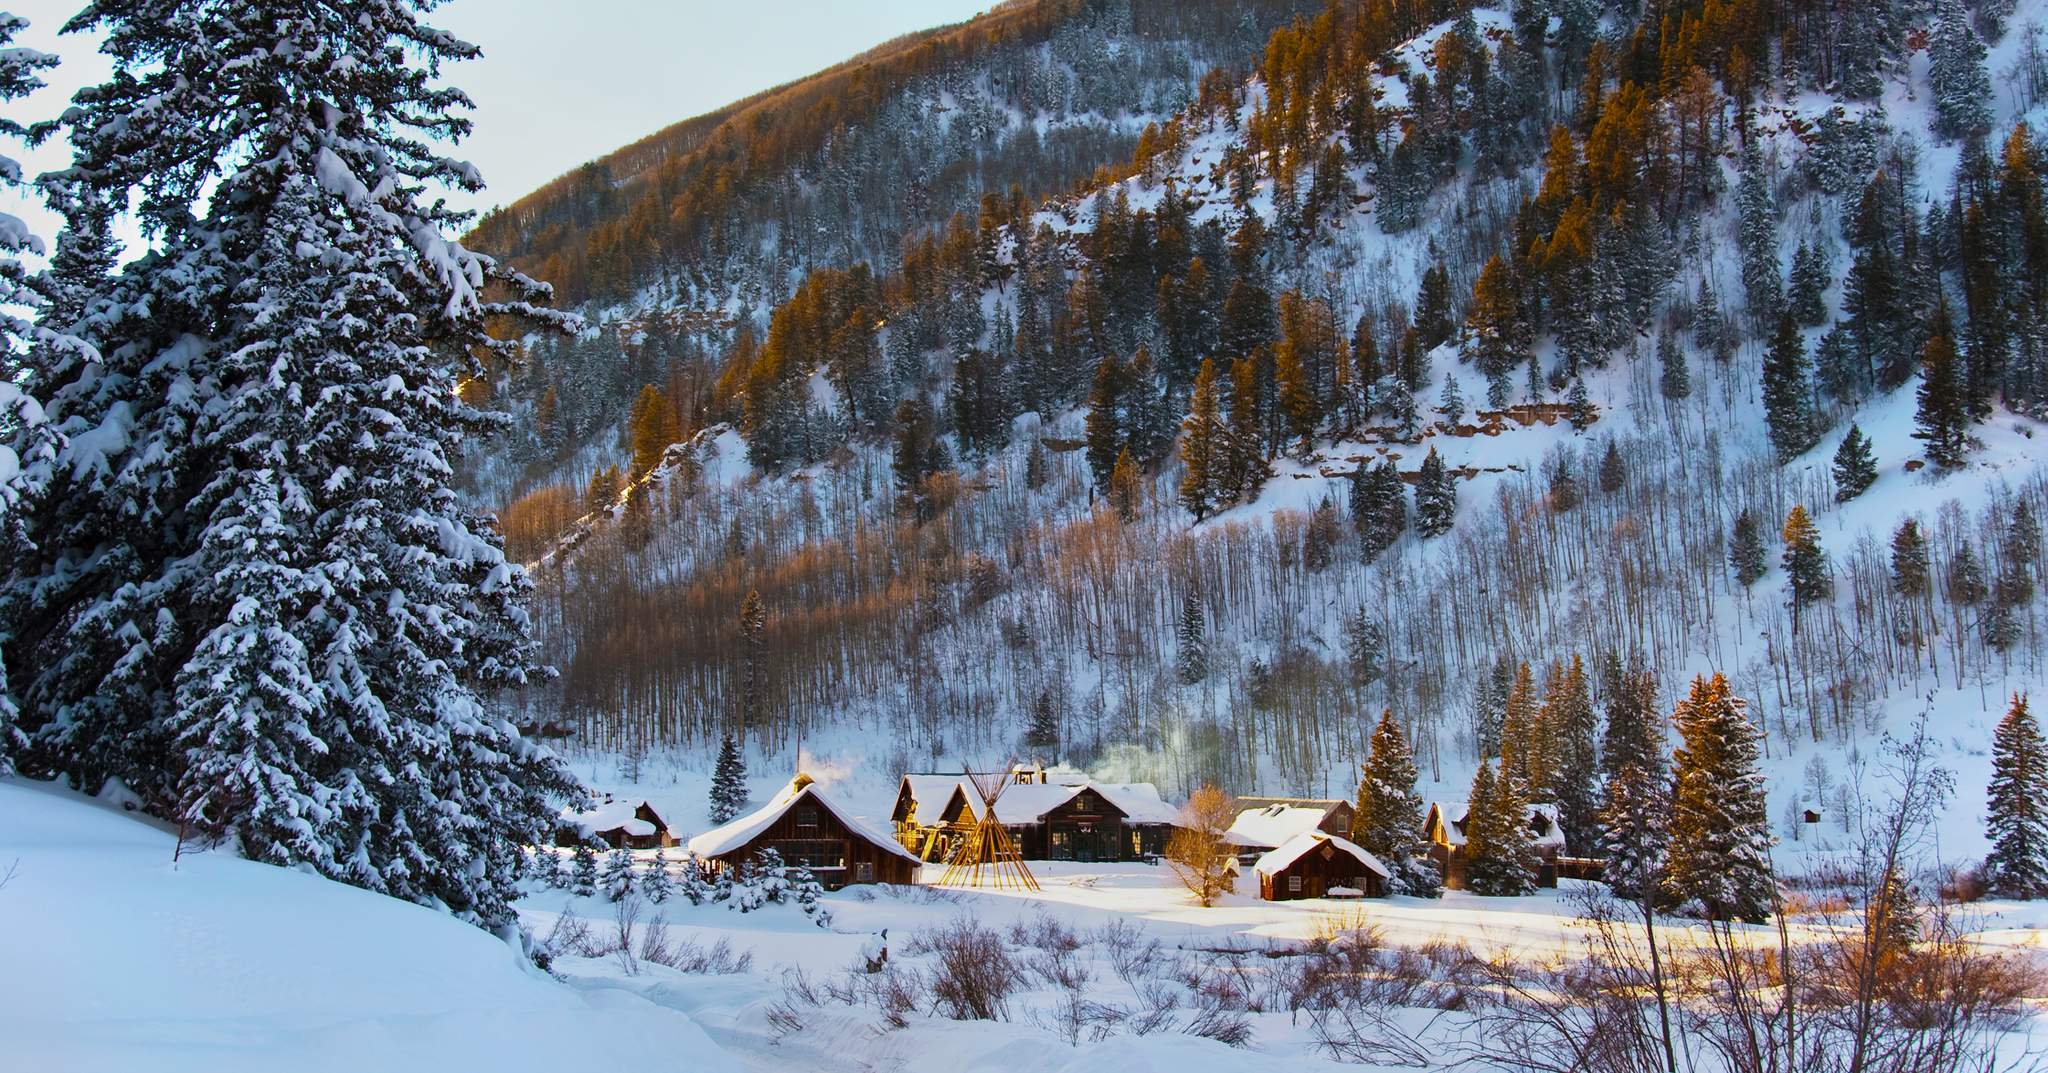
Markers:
{"x": 975, "y": 972}
{"x": 572, "y": 935}
{"x": 1046, "y": 932}
{"x": 1197, "y": 853}
{"x": 1223, "y": 1026}
{"x": 685, "y": 955}
{"x": 1132, "y": 953}
{"x": 1059, "y": 967}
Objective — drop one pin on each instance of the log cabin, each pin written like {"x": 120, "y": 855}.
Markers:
{"x": 619, "y": 824}
{"x": 806, "y": 826}
{"x": 1444, "y": 825}
{"x": 1264, "y": 823}
{"x": 1052, "y": 815}
{"x": 1318, "y": 865}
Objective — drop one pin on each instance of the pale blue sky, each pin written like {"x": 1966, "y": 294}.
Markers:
{"x": 563, "y": 81}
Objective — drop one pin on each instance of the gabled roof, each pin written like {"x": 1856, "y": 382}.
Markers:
{"x": 932, "y": 792}
{"x": 1268, "y": 826}
{"x": 1453, "y": 815}
{"x": 611, "y": 816}
{"x": 735, "y": 835}
{"x": 1028, "y": 802}
{"x": 1302, "y": 844}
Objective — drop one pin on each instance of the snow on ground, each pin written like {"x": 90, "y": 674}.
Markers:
{"x": 114, "y": 958}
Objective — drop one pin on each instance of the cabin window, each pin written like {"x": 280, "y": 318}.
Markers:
{"x": 1294, "y": 884}
{"x": 864, "y": 872}
{"x": 807, "y": 818}
{"x": 812, "y": 853}
{"x": 1359, "y": 883}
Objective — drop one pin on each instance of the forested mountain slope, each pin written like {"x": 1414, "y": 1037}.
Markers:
{"x": 1452, "y": 339}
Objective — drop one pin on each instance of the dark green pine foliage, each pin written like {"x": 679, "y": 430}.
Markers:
{"x": 1365, "y": 648}
{"x": 1807, "y": 579}
{"x": 1192, "y": 656}
{"x": 278, "y": 623}
{"x": 1490, "y": 705}
{"x": 1720, "y": 856}
{"x": 1674, "y": 379}
{"x": 1379, "y": 506}
{"x": 1579, "y": 406}
{"x": 728, "y": 782}
{"x": 1746, "y": 550}
{"x": 1855, "y": 465}
{"x": 1499, "y": 860}
{"x": 1613, "y": 471}
{"x": 1319, "y": 541}
{"x": 1941, "y": 417}
{"x": 2017, "y": 809}
{"x": 1635, "y": 804}
{"x": 1910, "y": 565}
{"x": 1808, "y": 297}
{"x": 1042, "y": 727}
{"x": 1757, "y": 233}
{"x": 1387, "y": 822}
{"x": 1574, "y": 726}
{"x": 1436, "y": 498}
{"x": 1788, "y": 392}
{"x": 1108, "y": 400}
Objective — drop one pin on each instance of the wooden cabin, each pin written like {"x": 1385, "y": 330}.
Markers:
{"x": 1057, "y": 815}
{"x": 1265, "y": 823}
{"x": 1318, "y": 865}
{"x": 618, "y": 824}
{"x": 805, "y": 826}
{"x": 932, "y": 812}
{"x": 1445, "y": 827}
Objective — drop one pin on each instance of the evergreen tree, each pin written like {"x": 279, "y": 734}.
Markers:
{"x": 321, "y": 618}
{"x": 1202, "y": 448}
{"x": 1910, "y": 568}
{"x": 1519, "y": 727}
{"x": 1966, "y": 578}
{"x": 616, "y": 879}
{"x": 1635, "y": 806}
{"x": 1956, "y": 73}
{"x": 1436, "y": 498}
{"x": 1499, "y": 860}
{"x": 728, "y": 782}
{"x": 1807, "y": 578}
{"x": 583, "y": 870}
{"x": 1107, "y": 418}
{"x": 753, "y": 687}
{"x": 1674, "y": 380}
{"x": 1574, "y": 726}
{"x": 1757, "y": 230}
{"x": 658, "y": 884}
{"x": 1720, "y": 856}
{"x": 2017, "y": 819}
{"x": 1126, "y": 489}
{"x": 1810, "y": 282}
{"x": 1941, "y": 417}
{"x": 1495, "y": 329}
{"x": 1043, "y": 729}
{"x": 1579, "y": 406}
{"x": 1451, "y": 404}
{"x": 1387, "y": 822}
{"x": 1365, "y": 648}
{"x": 1193, "y": 652}
{"x": 653, "y": 427}
{"x": 1490, "y": 705}
{"x": 1564, "y": 483}
{"x": 1319, "y": 540}
{"x": 1788, "y": 392}
{"x": 1855, "y": 466}
{"x": 1249, "y": 469}
{"x": 1746, "y": 550}
{"x": 1613, "y": 472}
{"x": 1379, "y": 506}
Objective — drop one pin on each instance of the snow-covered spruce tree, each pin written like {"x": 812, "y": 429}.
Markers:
{"x": 1855, "y": 465}
{"x": 1192, "y": 646}
{"x": 1499, "y": 860}
{"x": 1573, "y": 728}
{"x": 1756, "y": 217}
{"x": 1436, "y": 498}
{"x": 1807, "y": 578}
{"x": 1388, "y": 819}
{"x": 1379, "y": 506}
{"x": 1674, "y": 379}
{"x": 2017, "y": 813}
{"x": 616, "y": 878}
{"x": 1808, "y": 295}
{"x": 1746, "y": 550}
{"x": 290, "y": 626}
{"x": 1956, "y": 74}
{"x": 1365, "y": 648}
{"x": 583, "y": 870}
{"x": 1720, "y": 856}
{"x": 728, "y": 782}
{"x": 1941, "y": 414}
{"x": 1635, "y": 806}
{"x": 27, "y": 445}
{"x": 1788, "y": 392}
{"x": 1201, "y": 446}
{"x": 658, "y": 884}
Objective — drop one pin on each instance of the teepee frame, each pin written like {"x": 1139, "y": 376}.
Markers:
{"x": 985, "y": 854}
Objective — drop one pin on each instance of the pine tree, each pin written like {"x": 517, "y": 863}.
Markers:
{"x": 1956, "y": 74}
{"x": 1387, "y": 822}
{"x": 583, "y": 870}
{"x": 653, "y": 428}
{"x": 752, "y": 706}
{"x": 1519, "y": 725}
{"x": 1379, "y": 506}
{"x": 1436, "y": 498}
{"x": 658, "y": 885}
{"x": 1746, "y": 550}
{"x": 1635, "y": 809}
{"x": 1573, "y": 727}
{"x": 1126, "y": 488}
{"x": 1613, "y": 471}
{"x": 1490, "y": 705}
{"x": 1042, "y": 731}
{"x": 1674, "y": 380}
{"x": 2017, "y": 819}
{"x": 325, "y": 620}
{"x": 1249, "y": 469}
{"x": 1810, "y": 282}
{"x": 1941, "y": 417}
{"x": 1499, "y": 860}
{"x": 616, "y": 879}
{"x": 1788, "y": 392}
{"x": 1193, "y": 650}
{"x": 1365, "y": 648}
{"x": 1966, "y": 578}
{"x": 1495, "y": 329}
{"x": 1720, "y": 857}
{"x": 1910, "y": 566}
{"x": 1579, "y": 406}
{"x": 1564, "y": 483}
{"x": 1106, "y": 422}
{"x": 728, "y": 782}
{"x": 1757, "y": 230}
{"x": 1451, "y": 404}
{"x": 1855, "y": 466}
{"x": 1807, "y": 578}
{"x": 1202, "y": 450}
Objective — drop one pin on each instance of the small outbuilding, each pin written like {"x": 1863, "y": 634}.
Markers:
{"x": 1314, "y": 864}
{"x": 804, "y": 825}
{"x": 1444, "y": 826}
{"x": 626, "y": 824}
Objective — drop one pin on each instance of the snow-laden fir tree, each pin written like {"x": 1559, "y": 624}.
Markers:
{"x": 1788, "y": 392}
{"x": 1573, "y": 727}
{"x": 1957, "y": 75}
{"x": 583, "y": 869}
{"x": 1746, "y": 550}
{"x": 1436, "y": 498}
{"x": 1490, "y": 705}
{"x": 616, "y": 878}
{"x": 1756, "y": 219}
{"x": 1941, "y": 416}
{"x": 1855, "y": 465}
{"x": 1387, "y": 821}
{"x": 1499, "y": 859}
{"x": 2017, "y": 811}
{"x": 1807, "y": 577}
{"x": 1808, "y": 295}
{"x": 27, "y": 444}
{"x": 1365, "y": 648}
{"x": 1379, "y": 506}
{"x": 322, "y": 623}
{"x": 1451, "y": 404}
{"x": 1579, "y": 406}
{"x": 728, "y": 782}
{"x": 1613, "y": 471}
{"x": 1202, "y": 451}
{"x": 1319, "y": 540}
{"x": 1192, "y": 652}
{"x": 1720, "y": 855}
{"x": 1635, "y": 805}
{"x": 658, "y": 884}
{"x": 1674, "y": 379}
{"x": 1911, "y": 568}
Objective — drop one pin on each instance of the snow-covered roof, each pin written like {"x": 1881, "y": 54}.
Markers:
{"x": 1140, "y": 802}
{"x": 931, "y": 792}
{"x": 1271, "y": 825}
{"x": 735, "y": 835}
{"x": 1295, "y": 848}
{"x": 1028, "y": 802}
{"x": 1454, "y": 812}
{"x": 610, "y": 816}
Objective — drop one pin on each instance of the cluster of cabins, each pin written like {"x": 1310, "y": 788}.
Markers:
{"x": 1296, "y": 847}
